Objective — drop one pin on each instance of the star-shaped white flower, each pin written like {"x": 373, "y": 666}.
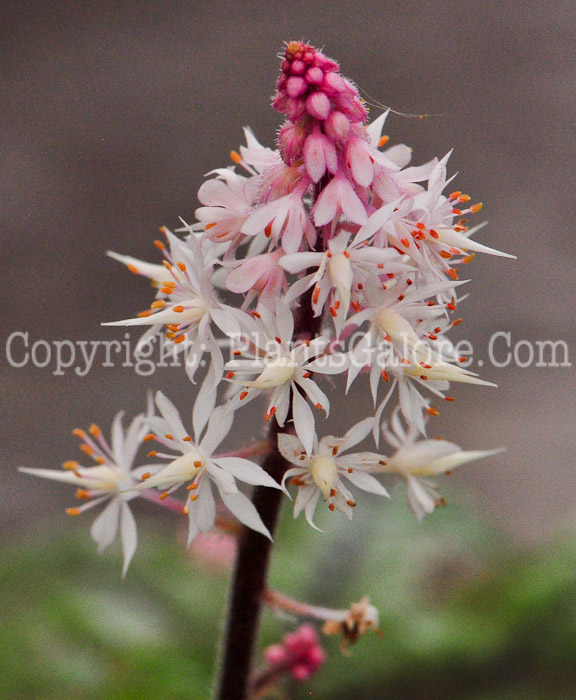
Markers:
{"x": 186, "y": 304}
{"x": 285, "y": 369}
{"x": 415, "y": 460}
{"x": 107, "y": 481}
{"x": 200, "y": 469}
{"x": 322, "y": 473}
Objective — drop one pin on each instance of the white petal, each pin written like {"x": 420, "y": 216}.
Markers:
{"x": 204, "y": 507}
{"x": 243, "y": 508}
{"x": 105, "y": 528}
{"x": 366, "y": 482}
{"x": 419, "y": 500}
{"x": 303, "y": 420}
{"x": 129, "y": 536}
{"x": 357, "y": 433}
{"x": 218, "y": 428}
{"x": 290, "y": 448}
{"x": 204, "y": 405}
{"x": 246, "y": 471}
{"x": 171, "y": 415}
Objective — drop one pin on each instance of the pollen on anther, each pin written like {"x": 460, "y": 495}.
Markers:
{"x": 235, "y": 157}
{"x": 432, "y": 411}
{"x": 383, "y": 141}
{"x": 79, "y": 433}
{"x": 197, "y": 464}
{"x": 87, "y": 449}
{"x": 146, "y": 476}
{"x": 133, "y": 269}
{"x": 166, "y": 264}
{"x": 194, "y": 497}
{"x": 152, "y": 453}
{"x": 229, "y": 375}
{"x": 243, "y": 395}
{"x": 164, "y": 495}
{"x": 70, "y": 465}
{"x": 181, "y": 266}
{"x": 350, "y": 470}
{"x": 168, "y": 436}
{"x": 331, "y": 506}
{"x": 475, "y": 208}
{"x": 73, "y": 511}
{"x": 82, "y": 494}
{"x": 158, "y": 304}
{"x": 94, "y": 430}
{"x": 318, "y": 406}
{"x": 186, "y": 439}
{"x": 351, "y": 504}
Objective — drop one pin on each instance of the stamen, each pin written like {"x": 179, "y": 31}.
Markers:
{"x": 73, "y": 511}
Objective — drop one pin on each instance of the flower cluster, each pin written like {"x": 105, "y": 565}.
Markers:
{"x": 330, "y": 255}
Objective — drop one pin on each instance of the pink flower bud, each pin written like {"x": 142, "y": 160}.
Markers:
{"x": 296, "y": 86}
{"x": 333, "y": 84}
{"x": 318, "y": 105}
{"x": 298, "y": 67}
{"x": 314, "y": 75}
{"x": 337, "y": 127}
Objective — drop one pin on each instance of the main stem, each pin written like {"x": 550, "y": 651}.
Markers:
{"x": 253, "y": 558}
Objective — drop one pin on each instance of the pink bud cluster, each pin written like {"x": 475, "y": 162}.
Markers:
{"x": 299, "y": 655}
{"x": 321, "y": 106}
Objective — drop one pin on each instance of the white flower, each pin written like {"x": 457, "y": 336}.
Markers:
{"x": 400, "y": 345}
{"x": 187, "y": 305}
{"x": 322, "y": 472}
{"x": 415, "y": 460}
{"x": 106, "y": 482}
{"x": 285, "y": 370}
{"x": 201, "y": 468}
{"x": 342, "y": 269}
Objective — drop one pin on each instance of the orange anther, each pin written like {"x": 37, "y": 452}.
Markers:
{"x": 243, "y": 395}
{"x": 82, "y": 494}
{"x": 144, "y": 314}
{"x": 146, "y": 476}
{"x": 178, "y": 309}
{"x": 158, "y": 304}
{"x": 73, "y": 511}
{"x": 197, "y": 463}
{"x": 235, "y": 157}
{"x": 94, "y": 430}
{"x": 331, "y": 506}
{"x": 432, "y": 411}
{"x": 383, "y": 140}
{"x": 70, "y": 465}
{"x": 152, "y": 453}
{"x": 133, "y": 269}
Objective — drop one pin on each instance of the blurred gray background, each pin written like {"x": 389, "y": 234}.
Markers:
{"x": 112, "y": 112}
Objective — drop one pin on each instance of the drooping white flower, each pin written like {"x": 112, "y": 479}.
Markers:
{"x": 415, "y": 460}
{"x": 200, "y": 468}
{"x": 284, "y": 368}
{"x": 106, "y": 482}
{"x": 322, "y": 472}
